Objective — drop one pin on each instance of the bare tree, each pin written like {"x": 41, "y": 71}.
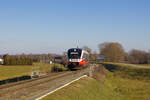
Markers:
{"x": 93, "y": 56}
{"x": 148, "y": 59}
{"x": 112, "y": 51}
{"x": 138, "y": 57}
{"x": 86, "y": 48}
{"x": 89, "y": 50}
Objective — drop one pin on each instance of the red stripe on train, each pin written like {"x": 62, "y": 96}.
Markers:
{"x": 82, "y": 62}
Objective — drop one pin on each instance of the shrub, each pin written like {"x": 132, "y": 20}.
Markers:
{"x": 58, "y": 68}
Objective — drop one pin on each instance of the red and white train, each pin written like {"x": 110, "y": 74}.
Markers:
{"x": 77, "y": 58}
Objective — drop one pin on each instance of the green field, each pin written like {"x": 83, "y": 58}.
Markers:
{"x": 7, "y": 72}
{"x": 123, "y": 82}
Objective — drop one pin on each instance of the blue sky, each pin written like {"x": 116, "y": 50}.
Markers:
{"x": 53, "y": 26}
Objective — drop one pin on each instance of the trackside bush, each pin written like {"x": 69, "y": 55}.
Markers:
{"x": 58, "y": 68}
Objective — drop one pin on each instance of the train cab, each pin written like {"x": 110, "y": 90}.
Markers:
{"x": 77, "y": 58}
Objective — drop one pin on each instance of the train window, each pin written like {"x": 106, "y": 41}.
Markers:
{"x": 74, "y": 53}
{"x": 84, "y": 55}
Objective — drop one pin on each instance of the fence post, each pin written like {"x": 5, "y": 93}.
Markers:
{"x": 91, "y": 70}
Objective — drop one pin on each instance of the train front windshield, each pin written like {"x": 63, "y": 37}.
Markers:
{"x": 74, "y": 53}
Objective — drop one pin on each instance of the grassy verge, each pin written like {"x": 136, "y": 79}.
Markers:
{"x": 84, "y": 89}
{"x": 146, "y": 65}
{"x": 7, "y": 72}
{"x": 132, "y": 83}
{"x": 129, "y": 71}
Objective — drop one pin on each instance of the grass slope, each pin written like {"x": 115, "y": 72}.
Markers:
{"x": 84, "y": 89}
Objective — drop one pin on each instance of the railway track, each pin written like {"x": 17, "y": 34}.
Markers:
{"x": 25, "y": 81}
{"x": 30, "y": 89}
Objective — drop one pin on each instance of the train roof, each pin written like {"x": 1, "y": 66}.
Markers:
{"x": 78, "y": 49}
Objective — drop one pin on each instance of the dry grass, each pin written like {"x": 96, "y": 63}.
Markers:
{"x": 7, "y": 72}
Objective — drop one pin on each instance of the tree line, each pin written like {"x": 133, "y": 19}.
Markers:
{"x": 28, "y": 59}
{"x": 111, "y": 51}
{"x": 16, "y": 60}
{"x": 138, "y": 57}
{"x": 114, "y": 52}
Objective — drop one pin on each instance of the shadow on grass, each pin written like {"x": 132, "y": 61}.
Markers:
{"x": 16, "y": 79}
{"x": 128, "y": 71}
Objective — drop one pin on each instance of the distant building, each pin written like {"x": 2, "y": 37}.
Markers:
{"x": 50, "y": 62}
{"x": 1, "y": 61}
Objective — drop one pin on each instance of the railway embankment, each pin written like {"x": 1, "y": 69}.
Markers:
{"x": 107, "y": 81}
{"x": 120, "y": 82}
